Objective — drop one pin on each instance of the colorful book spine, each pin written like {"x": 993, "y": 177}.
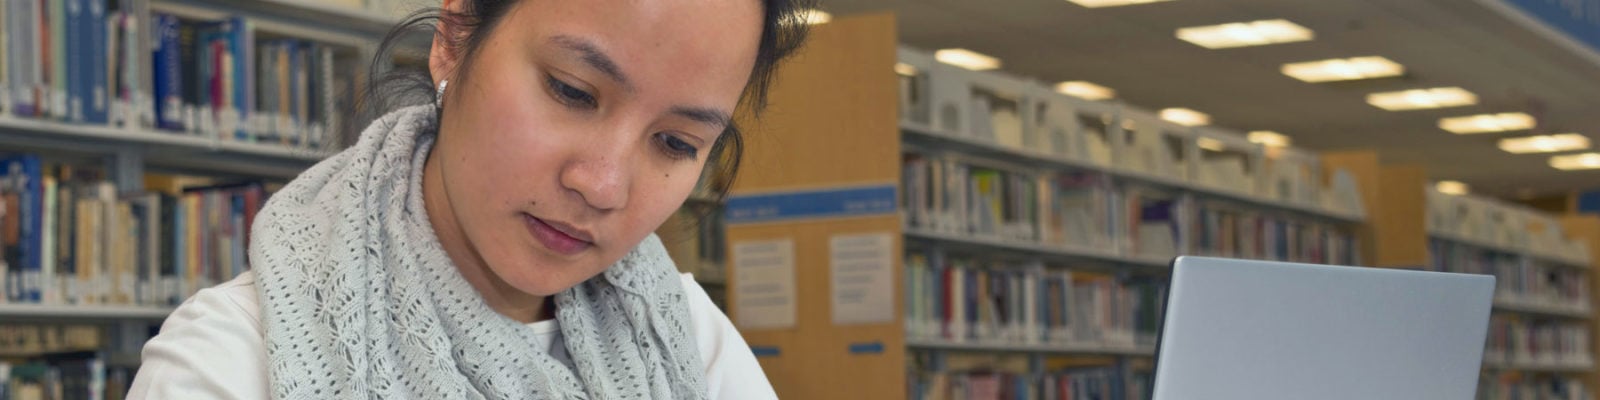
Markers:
{"x": 168, "y": 74}
{"x": 98, "y": 105}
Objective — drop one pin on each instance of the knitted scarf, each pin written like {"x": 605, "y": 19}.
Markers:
{"x": 360, "y": 301}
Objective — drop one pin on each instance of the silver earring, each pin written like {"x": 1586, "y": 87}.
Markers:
{"x": 438, "y": 97}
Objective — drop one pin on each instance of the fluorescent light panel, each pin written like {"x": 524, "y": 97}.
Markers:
{"x": 1343, "y": 69}
{"x": 967, "y": 59}
{"x": 815, "y": 16}
{"x": 1241, "y": 34}
{"x": 1451, "y": 187}
{"x": 1268, "y": 138}
{"x": 1576, "y": 161}
{"x": 1487, "y": 123}
{"x": 1422, "y": 99}
{"x": 1545, "y": 143}
{"x": 1112, "y": 3}
{"x": 1085, "y": 90}
{"x": 1185, "y": 117}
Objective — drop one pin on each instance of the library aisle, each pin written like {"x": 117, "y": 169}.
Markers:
{"x": 946, "y": 200}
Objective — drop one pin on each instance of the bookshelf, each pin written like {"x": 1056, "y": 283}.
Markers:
{"x": 1049, "y": 201}
{"x": 117, "y": 156}
{"x": 156, "y": 148}
{"x": 1542, "y": 327}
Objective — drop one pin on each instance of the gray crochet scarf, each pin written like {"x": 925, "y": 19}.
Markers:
{"x": 360, "y": 300}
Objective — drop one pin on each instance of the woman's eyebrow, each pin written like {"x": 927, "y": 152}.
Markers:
{"x": 597, "y": 59}
{"x": 717, "y": 119}
{"x": 593, "y": 56}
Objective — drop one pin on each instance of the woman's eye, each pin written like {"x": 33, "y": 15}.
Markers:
{"x": 570, "y": 95}
{"x": 676, "y": 147}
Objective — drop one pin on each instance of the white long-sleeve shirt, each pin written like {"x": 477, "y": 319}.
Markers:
{"x": 211, "y": 348}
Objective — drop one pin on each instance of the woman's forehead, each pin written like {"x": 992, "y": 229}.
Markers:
{"x": 695, "y": 43}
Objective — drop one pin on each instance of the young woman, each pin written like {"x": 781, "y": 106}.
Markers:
{"x": 495, "y": 242}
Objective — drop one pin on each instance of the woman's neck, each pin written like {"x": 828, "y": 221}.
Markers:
{"x": 497, "y": 294}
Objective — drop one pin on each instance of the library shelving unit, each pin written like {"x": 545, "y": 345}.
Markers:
{"x": 1541, "y": 331}
{"x": 82, "y": 88}
{"x": 1035, "y": 229}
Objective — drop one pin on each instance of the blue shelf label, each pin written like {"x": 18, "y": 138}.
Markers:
{"x": 764, "y": 351}
{"x": 824, "y": 203}
{"x": 866, "y": 348}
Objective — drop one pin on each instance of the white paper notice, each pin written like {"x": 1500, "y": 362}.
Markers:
{"x": 764, "y": 283}
{"x": 863, "y": 279}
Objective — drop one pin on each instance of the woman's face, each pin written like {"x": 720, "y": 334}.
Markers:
{"x": 580, "y": 126}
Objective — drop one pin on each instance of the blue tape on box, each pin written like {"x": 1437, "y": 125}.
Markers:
{"x": 866, "y": 348}
{"x": 764, "y": 351}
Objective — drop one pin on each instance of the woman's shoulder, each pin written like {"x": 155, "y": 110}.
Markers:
{"x": 732, "y": 371}
{"x": 210, "y": 347}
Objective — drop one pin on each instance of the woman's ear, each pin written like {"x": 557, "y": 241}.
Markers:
{"x": 442, "y": 55}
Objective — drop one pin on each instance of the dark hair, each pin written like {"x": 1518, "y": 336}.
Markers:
{"x": 783, "y": 32}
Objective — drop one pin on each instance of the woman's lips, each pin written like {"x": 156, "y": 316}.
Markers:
{"x": 558, "y": 237}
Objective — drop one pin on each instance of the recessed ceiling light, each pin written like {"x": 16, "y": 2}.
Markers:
{"x": 967, "y": 59}
{"x": 1343, "y": 69}
{"x": 815, "y": 16}
{"x": 1185, "y": 117}
{"x": 1112, "y": 3}
{"x": 1211, "y": 144}
{"x": 1486, "y": 123}
{"x": 1451, "y": 187}
{"x": 1268, "y": 138}
{"x": 1545, "y": 143}
{"x": 1420, "y": 99}
{"x": 1576, "y": 161}
{"x": 1085, "y": 90}
{"x": 904, "y": 69}
{"x": 1241, "y": 34}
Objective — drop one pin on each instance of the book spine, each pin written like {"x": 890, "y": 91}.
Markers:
{"x": 32, "y": 231}
{"x": 56, "y": 62}
{"x": 47, "y": 271}
{"x": 241, "y": 46}
{"x": 97, "y": 106}
{"x": 66, "y": 243}
{"x": 20, "y": 56}
{"x": 168, "y": 74}
{"x": 144, "y": 58}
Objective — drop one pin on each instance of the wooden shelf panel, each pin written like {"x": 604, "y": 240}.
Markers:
{"x": 82, "y": 312}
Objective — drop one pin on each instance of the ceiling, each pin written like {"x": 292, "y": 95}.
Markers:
{"x": 1132, "y": 49}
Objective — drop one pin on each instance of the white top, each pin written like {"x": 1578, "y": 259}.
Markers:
{"x": 211, "y": 348}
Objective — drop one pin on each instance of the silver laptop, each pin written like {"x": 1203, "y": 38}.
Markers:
{"x": 1244, "y": 330}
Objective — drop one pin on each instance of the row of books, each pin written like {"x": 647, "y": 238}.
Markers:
{"x": 1086, "y": 383}
{"x": 948, "y": 194}
{"x": 1519, "y": 280}
{"x": 115, "y": 63}
{"x": 74, "y": 60}
{"x": 71, "y": 376}
{"x": 1029, "y": 117}
{"x": 1495, "y": 224}
{"x": 1221, "y": 230}
{"x": 1516, "y": 341}
{"x": 29, "y": 339}
{"x": 71, "y": 237}
{"x": 963, "y": 300}
{"x": 695, "y": 238}
{"x": 1533, "y": 387}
